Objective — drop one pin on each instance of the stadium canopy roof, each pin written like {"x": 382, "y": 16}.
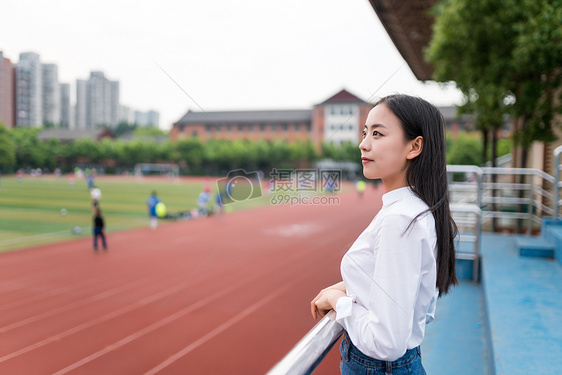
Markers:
{"x": 408, "y": 23}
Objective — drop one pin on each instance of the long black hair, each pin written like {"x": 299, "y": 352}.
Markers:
{"x": 427, "y": 175}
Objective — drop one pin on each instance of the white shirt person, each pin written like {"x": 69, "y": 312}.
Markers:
{"x": 405, "y": 259}
{"x": 390, "y": 275}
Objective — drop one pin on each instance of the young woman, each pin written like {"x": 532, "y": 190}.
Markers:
{"x": 396, "y": 269}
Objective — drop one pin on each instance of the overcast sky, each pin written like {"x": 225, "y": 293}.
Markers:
{"x": 226, "y": 55}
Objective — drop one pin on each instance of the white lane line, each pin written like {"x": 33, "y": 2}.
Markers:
{"x": 229, "y": 323}
{"x": 302, "y": 230}
{"x": 45, "y": 294}
{"x": 154, "y": 326}
{"x": 86, "y": 325}
{"x": 114, "y": 314}
{"x": 53, "y": 292}
{"x": 70, "y": 306}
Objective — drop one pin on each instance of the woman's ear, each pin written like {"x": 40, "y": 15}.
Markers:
{"x": 416, "y": 148}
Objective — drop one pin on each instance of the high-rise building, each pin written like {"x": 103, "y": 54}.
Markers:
{"x": 97, "y": 102}
{"x": 147, "y": 119}
{"x": 29, "y": 105}
{"x": 126, "y": 115}
{"x": 50, "y": 95}
{"x": 7, "y": 74}
{"x": 114, "y": 103}
{"x": 82, "y": 100}
{"x": 65, "y": 107}
{"x": 153, "y": 118}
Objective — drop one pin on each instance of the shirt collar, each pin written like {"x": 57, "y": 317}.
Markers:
{"x": 395, "y": 195}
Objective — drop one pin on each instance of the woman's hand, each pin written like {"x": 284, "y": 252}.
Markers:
{"x": 326, "y": 300}
{"x": 338, "y": 286}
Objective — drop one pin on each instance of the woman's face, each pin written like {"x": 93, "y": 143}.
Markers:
{"x": 384, "y": 151}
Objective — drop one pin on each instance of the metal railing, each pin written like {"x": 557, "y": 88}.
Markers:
{"x": 557, "y": 166}
{"x": 311, "y": 349}
{"x": 465, "y": 185}
{"x": 505, "y": 195}
{"x": 477, "y": 196}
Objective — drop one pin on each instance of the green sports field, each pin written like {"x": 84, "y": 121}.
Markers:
{"x": 30, "y": 209}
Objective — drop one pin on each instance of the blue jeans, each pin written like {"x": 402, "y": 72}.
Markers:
{"x": 99, "y": 232}
{"x": 355, "y": 362}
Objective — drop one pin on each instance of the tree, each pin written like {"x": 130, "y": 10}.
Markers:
{"x": 537, "y": 73}
{"x": 29, "y": 152}
{"x": 87, "y": 149}
{"x": 152, "y": 131}
{"x": 465, "y": 150}
{"x": 191, "y": 152}
{"x": 54, "y": 149}
{"x": 469, "y": 47}
{"x": 505, "y": 56}
{"x": 7, "y": 149}
{"x": 123, "y": 128}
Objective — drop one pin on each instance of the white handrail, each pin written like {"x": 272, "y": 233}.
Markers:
{"x": 311, "y": 349}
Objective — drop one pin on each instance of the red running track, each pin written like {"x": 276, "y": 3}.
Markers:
{"x": 217, "y": 295}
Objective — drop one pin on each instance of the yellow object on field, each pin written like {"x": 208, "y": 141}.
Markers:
{"x": 360, "y": 186}
{"x": 160, "y": 209}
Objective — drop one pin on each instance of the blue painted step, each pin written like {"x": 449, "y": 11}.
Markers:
{"x": 523, "y": 302}
{"x": 464, "y": 264}
{"x": 531, "y": 246}
{"x": 553, "y": 233}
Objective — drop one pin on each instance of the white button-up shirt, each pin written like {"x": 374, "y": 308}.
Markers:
{"x": 390, "y": 274}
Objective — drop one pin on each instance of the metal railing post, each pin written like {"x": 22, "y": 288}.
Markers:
{"x": 531, "y": 203}
{"x": 557, "y": 153}
{"x": 480, "y": 180}
{"x": 478, "y": 227}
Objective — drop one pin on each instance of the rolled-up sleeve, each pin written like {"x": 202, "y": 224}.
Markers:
{"x": 344, "y": 307}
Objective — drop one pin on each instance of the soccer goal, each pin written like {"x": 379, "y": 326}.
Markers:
{"x": 155, "y": 169}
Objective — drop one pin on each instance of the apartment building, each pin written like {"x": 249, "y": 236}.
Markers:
{"x": 7, "y": 105}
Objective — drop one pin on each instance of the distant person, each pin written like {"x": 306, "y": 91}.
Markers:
{"x": 90, "y": 179}
{"x": 203, "y": 200}
{"x": 95, "y": 193}
{"x": 71, "y": 178}
{"x": 20, "y": 175}
{"x": 207, "y": 184}
{"x": 151, "y": 203}
{"x": 218, "y": 204}
{"x": 99, "y": 229}
{"x": 404, "y": 260}
{"x": 360, "y": 186}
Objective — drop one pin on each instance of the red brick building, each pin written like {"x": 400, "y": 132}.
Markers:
{"x": 337, "y": 119}
{"x": 289, "y": 125}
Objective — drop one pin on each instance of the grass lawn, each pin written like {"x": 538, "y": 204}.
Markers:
{"x": 30, "y": 209}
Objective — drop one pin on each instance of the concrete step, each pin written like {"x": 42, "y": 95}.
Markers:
{"x": 533, "y": 246}
{"x": 523, "y": 301}
{"x": 553, "y": 233}
{"x": 455, "y": 342}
